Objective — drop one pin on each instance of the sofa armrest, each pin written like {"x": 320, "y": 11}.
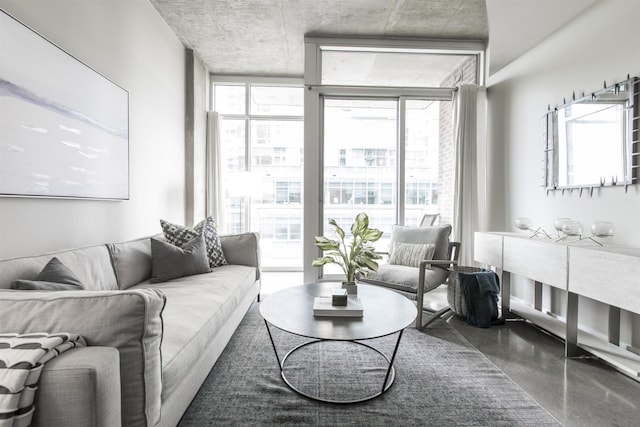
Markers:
{"x": 242, "y": 249}
{"x": 80, "y": 388}
{"x": 128, "y": 320}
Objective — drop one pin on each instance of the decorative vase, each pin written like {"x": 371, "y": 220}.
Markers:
{"x": 350, "y": 287}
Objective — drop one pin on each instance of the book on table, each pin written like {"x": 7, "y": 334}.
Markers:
{"x": 322, "y": 307}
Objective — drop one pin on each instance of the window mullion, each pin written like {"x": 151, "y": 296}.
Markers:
{"x": 247, "y": 154}
{"x": 400, "y": 160}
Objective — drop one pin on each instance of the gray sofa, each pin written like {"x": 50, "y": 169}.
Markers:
{"x": 149, "y": 346}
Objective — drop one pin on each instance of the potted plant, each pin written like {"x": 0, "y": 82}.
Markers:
{"x": 357, "y": 255}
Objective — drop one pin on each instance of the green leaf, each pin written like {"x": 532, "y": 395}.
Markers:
{"x": 319, "y": 262}
{"x": 327, "y": 244}
{"x": 339, "y": 229}
{"x": 372, "y": 235}
{"x": 360, "y": 225}
{"x": 362, "y": 220}
{"x": 371, "y": 265}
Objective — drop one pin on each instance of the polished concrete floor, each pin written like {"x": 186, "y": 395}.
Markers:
{"x": 578, "y": 392}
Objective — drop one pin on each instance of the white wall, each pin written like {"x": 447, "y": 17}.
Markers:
{"x": 127, "y": 41}
{"x": 601, "y": 44}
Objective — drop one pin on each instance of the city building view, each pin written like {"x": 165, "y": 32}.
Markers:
{"x": 364, "y": 167}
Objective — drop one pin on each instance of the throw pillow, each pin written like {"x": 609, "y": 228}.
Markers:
{"x": 410, "y": 254}
{"x": 438, "y": 235}
{"x": 171, "y": 262}
{"x": 55, "y": 276}
{"x": 39, "y": 285}
{"x": 178, "y": 235}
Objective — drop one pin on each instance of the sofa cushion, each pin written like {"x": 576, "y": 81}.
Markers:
{"x": 91, "y": 265}
{"x": 179, "y": 235}
{"x": 131, "y": 261}
{"x": 197, "y": 308}
{"x": 170, "y": 262}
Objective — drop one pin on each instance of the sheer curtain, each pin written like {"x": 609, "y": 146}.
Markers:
{"x": 469, "y": 203}
{"x": 214, "y": 196}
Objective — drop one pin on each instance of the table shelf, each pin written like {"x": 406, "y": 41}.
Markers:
{"x": 621, "y": 359}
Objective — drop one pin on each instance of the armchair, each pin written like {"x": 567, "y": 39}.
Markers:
{"x": 419, "y": 258}
{"x": 429, "y": 220}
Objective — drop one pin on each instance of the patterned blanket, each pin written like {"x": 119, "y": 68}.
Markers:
{"x": 21, "y": 360}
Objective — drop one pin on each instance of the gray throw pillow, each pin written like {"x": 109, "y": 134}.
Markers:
{"x": 131, "y": 261}
{"x": 170, "y": 262}
{"x": 179, "y": 235}
{"x": 55, "y": 276}
{"x": 410, "y": 254}
{"x": 39, "y": 285}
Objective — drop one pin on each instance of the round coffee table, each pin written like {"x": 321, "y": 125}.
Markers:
{"x": 384, "y": 313}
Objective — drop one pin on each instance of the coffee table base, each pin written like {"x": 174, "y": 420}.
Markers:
{"x": 387, "y": 383}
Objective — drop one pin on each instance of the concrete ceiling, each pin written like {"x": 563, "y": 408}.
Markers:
{"x": 266, "y": 37}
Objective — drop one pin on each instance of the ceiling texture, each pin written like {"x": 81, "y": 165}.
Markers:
{"x": 266, "y": 37}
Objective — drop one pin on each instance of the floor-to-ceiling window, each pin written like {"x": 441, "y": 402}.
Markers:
{"x": 378, "y": 118}
{"x": 261, "y": 138}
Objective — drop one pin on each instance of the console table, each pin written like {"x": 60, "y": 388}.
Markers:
{"x": 610, "y": 275}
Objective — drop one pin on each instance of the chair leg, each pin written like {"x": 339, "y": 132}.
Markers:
{"x": 435, "y": 316}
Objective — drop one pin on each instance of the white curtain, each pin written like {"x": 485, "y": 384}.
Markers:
{"x": 469, "y": 202}
{"x": 214, "y": 196}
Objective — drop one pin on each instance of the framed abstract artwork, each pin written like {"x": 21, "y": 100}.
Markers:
{"x": 64, "y": 128}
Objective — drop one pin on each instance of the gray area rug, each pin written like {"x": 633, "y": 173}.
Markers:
{"x": 441, "y": 380}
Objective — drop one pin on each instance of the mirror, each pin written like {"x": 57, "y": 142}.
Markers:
{"x": 590, "y": 141}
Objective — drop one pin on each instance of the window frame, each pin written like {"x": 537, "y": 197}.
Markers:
{"x": 247, "y": 117}
{"x": 313, "y": 118}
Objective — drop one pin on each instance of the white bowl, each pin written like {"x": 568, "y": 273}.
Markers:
{"x": 524, "y": 223}
{"x": 602, "y": 229}
{"x": 559, "y": 222}
{"x": 572, "y": 228}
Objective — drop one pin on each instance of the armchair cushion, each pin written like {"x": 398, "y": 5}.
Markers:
{"x": 439, "y": 236}
{"x": 403, "y": 278}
